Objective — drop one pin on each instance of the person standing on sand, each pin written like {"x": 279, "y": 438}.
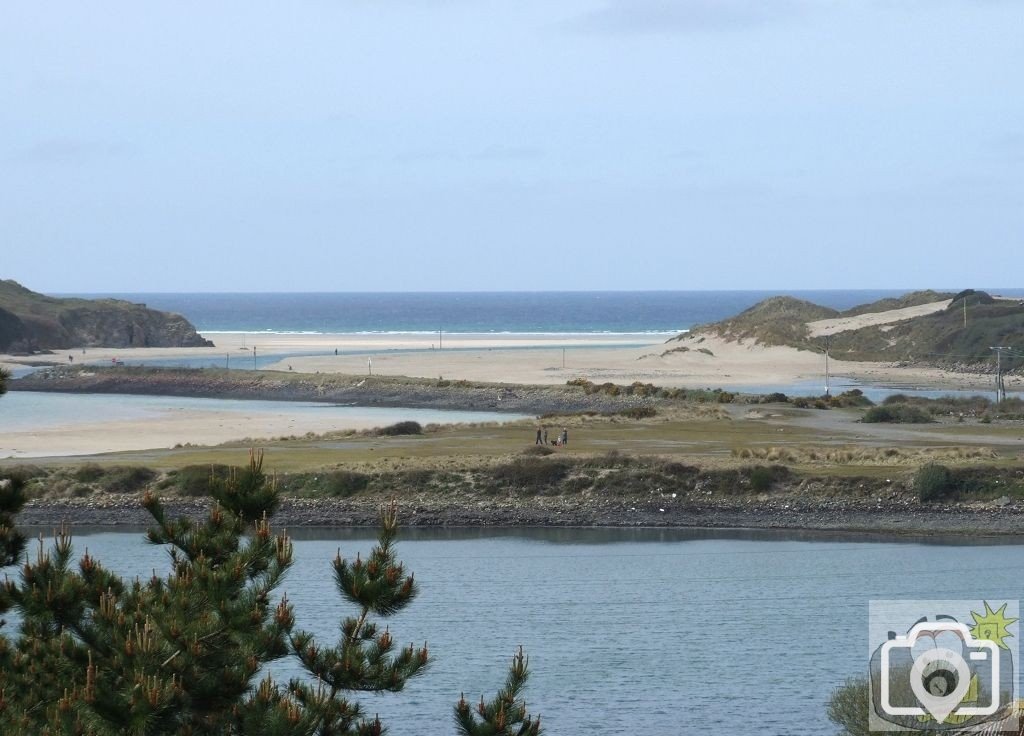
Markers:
{"x": 538, "y": 436}
{"x": 565, "y": 436}
{"x": 545, "y": 436}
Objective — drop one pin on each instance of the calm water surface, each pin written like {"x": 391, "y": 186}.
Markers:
{"x": 633, "y": 631}
{"x": 26, "y": 410}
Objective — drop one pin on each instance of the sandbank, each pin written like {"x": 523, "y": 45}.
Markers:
{"x": 240, "y": 346}
{"x": 706, "y": 362}
{"x": 549, "y": 359}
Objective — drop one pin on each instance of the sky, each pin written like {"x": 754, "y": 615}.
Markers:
{"x": 447, "y": 145}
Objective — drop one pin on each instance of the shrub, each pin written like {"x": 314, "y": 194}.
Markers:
{"x": 763, "y": 476}
{"x": 896, "y": 414}
{"x": 540, "y": 450}
{"x": 639, "y": 412}
{"x": 933, "y": 482}
{"x": 532, "y": 474}
{"x": 127, "y": 479}
{"x": 853, "y": 397}
{"x": 400, "y": 428}
{"x": 194, "y": 480}
{"x": 775, "y": 398}
{"x": 849, "y": 706}
{"x": 417, "y": 478}
{"x": 642, "y": 389}
{"x": 89, "y": 473}
{"x": 345, "y": 483}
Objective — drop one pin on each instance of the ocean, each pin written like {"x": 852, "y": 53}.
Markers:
{"x": 540, "y": 312}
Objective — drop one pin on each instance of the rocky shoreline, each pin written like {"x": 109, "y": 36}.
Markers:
{"x": 465, "y": 510}
{"x": 328, "y": 388}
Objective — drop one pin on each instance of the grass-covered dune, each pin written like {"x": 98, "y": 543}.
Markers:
{"x": 958, "y": 336}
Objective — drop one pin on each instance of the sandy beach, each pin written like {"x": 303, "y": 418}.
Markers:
{"x": 547, "y": 359}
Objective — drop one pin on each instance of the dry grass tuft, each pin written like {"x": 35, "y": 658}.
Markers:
{"x": 853, "y": 455}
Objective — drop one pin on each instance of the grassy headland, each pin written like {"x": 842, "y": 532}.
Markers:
{"x": 31, "y": 322}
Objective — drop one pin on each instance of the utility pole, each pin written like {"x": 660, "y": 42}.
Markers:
{"x": 369, "y": 366}
{"x": 965, "y": 313}
{"x": 254, "y": 357}
{"x": 439, "y": 339}
{"x": 563, "y": 357}
{"x": 1000, "y": 386}
{"x": 828, "y": 345}
{"x": 227, "y": 361}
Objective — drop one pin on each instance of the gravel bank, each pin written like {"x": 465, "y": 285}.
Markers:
{"x": 472, "y": 511}
{"x": 333, "y": 388}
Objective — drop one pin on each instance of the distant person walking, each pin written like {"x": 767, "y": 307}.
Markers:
{"x": 565, "y": 436}
{"x": 538, "y": 436}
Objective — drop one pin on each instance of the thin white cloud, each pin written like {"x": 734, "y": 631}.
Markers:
{"x": 64, "y": 151}
{"x": 491, "y": 153}
{"x": 508, "y": 153}
{"x": 673, "y": 16}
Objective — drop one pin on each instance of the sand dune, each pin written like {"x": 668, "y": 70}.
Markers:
{"x": 842, "y": 324}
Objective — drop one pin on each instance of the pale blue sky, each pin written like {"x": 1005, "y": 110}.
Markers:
{"x": 350, "y": 145}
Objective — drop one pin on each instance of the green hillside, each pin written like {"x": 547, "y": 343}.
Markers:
{"x": 939, "y": 339}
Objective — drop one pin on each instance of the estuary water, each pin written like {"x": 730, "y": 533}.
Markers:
{"x": 40, "y": 424}
{"x": 633, "y": 631}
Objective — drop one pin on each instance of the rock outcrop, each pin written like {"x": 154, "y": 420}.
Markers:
{"x": 31, "y": 322}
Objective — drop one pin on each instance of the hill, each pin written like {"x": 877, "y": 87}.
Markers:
{"x": 911, "y": 299}
{"x": 882, "y": 331}
{"x": 778, "y": 320}
{"x": 30, "y": 322}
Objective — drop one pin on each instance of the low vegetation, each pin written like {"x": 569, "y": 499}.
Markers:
{"x": 937, "y": 482}
{"x": 400, "y": 428}
{"x": 896, "y": 414}
{"x": 860, "y": 455}
{"x": 961, "y": 407}
{"x": 854, "y": 398}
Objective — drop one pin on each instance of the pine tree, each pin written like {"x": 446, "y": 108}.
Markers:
{"x": 506, "y": 714}
{"x": 181, "y": 655}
